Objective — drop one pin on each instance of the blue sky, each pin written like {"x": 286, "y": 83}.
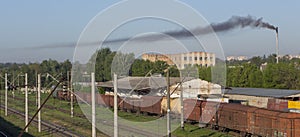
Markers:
{"x": 34, "y": 23}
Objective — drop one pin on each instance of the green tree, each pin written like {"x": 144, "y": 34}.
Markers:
{"x": 256, "y": 79}
{"x": 174, "y": 72}
{"x": 256, "y": 60}
{"x": 160, "y": 67}
{"x": 205, "y": 73}
{"x": 103, "y": 64}
{"x": 141, "y": 67}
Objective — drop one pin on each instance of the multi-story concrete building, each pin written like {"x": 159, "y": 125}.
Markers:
{"x": 239, "y": 58}
{"x": 182, "y": 60}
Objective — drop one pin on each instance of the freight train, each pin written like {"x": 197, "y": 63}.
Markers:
{"x": 63, "y": 94}
{"x": 245, "y": 120}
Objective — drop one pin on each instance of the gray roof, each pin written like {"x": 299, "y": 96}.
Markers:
{"x": 263, "y": 92}
{"x": 140, "y": 83}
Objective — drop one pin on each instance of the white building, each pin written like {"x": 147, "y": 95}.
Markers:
{"x": 239, "y": 58}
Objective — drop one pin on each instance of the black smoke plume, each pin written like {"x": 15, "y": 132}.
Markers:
{"x": 235, "y": 22}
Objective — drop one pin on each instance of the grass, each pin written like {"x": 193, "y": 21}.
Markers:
{"x": 83, "y": 126}
{"x": 76, "y": 124}
{"x": 134, "y": 117}
{"x": 190, "y": 130}
{"x": 194, "y": 131}
{"x": 11, "y": 124}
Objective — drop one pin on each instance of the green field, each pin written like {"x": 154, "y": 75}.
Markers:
{"x": 82, "y": 125}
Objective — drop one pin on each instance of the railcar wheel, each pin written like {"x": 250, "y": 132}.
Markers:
{"x": 243, "y": 134}
{"x": 145, "y": 113}
{"x": 221, "y": 129}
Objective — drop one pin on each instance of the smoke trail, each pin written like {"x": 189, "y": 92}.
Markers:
{"x": 234, "y": 22}
{"x": 242, "y": 22}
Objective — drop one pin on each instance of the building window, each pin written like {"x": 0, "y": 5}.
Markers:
{"x": 200, "y": 58}
{"x": 205, "y": 58}
{"x": 205, "y": 65}
{"x": 195, "y": 58}
{"x": 190, "y": 58}
{"x": 185, "y": 65}
{"x": 184, "y": 58}
{"x": 200, "y": 65}
{"x": 211, "y": 58}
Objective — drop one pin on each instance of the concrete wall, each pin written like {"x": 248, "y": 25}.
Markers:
{"x": 260, "y": 102}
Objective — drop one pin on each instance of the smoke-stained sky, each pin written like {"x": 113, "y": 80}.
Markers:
{"x": 27, "y": 25}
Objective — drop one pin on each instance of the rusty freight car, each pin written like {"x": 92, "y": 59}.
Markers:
{"x": 258, "y": 121}
{"x": 234, "y": 117}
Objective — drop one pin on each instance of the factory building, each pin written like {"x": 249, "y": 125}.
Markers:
{"x": 182, "y": 60}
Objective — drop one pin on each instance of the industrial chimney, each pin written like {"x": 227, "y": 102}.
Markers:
{"x": 277, "y": 47}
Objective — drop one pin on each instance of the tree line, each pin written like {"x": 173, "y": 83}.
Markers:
{"x": 127, "y": 65}
{"x": 246, "y": 73}
{"x": 49, "y": 67}
{"x": 264, "y": 72}
{"x": 60, "y": 70}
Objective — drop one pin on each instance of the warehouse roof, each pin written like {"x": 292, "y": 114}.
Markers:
{"x": 263, "y": 92}
{"x": 141, "y": 83}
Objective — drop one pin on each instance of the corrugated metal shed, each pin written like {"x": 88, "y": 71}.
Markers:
{"x": 263, "y": 92}
{"x": 142, "y": 83}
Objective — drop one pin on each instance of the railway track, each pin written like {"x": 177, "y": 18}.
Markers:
{"x": 46, "y": 106}
{"x": 102, "y": 121}
{"x": 2, "y": 134}
{"x": 53, "y": 128}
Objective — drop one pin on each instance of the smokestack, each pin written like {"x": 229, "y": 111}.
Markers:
{"x": 277, "y": 46}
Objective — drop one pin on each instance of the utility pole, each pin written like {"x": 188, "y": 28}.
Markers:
{"x": 115, "y": 105}
{"x": 26, "y": 102}
{"x": 181, "y": 107}
{"x": 6, "y": 87}
{"x": 39, "y": 101}
{"x": 93, "y": 105}
{"x": 168, "y": 104}
{"x": 36, "y": 85}
{"x": 13, "y": 82}
{"x": 70, "y": 89}
{"x": 18, "y": 80}
{"x": 277, "y": 46}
